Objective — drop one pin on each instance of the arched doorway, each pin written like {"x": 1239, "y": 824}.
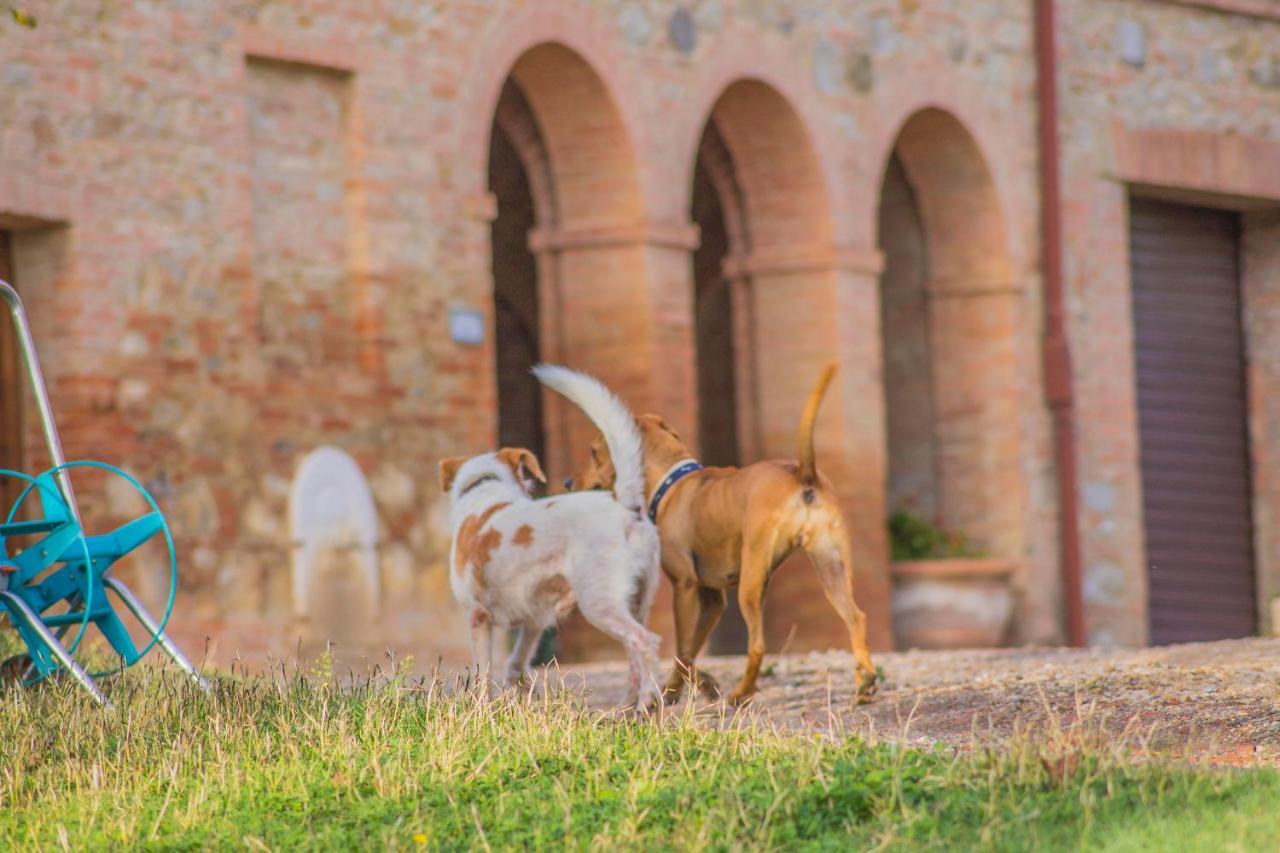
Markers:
{"x": 517, "y": 164}
{"x": 569, "y": 262}
{"x": 764, "y": 278}
{"x": 717, "y": 202}
{"x": 949, "y": 315}
{"x": 563, "y": 177}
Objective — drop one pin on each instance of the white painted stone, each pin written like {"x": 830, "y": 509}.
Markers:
{"x": 331, "y": 510}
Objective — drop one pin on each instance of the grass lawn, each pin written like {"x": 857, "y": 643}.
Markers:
{"x": 289, "y": 762}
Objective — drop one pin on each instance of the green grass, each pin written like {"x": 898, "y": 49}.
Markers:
{"x": 286, "y": 761}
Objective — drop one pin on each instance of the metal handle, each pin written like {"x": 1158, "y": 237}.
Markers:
{"x": 51, "y": 440}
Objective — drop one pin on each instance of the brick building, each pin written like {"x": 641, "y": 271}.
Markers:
{"x": 250, "y": 231}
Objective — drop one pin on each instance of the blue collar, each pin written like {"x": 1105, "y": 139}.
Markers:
{"x": 675, "y": 474}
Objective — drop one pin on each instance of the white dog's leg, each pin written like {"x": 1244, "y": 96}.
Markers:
{"x": 482, "y": 647}
{"x": 615, "y": 619}
{"x": 522, "y": 652}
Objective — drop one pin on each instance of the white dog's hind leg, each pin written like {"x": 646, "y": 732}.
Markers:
{"x": 615, "y": 619}
{"x": 482, "y": 647}
{"x": 522, "y": 652}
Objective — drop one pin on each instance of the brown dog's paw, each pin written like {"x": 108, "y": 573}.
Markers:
{"x": 868, "y": 683}
{"x": 740, "y": 699}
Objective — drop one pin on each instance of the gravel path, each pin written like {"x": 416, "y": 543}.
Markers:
{"x": 1218, "y": 702}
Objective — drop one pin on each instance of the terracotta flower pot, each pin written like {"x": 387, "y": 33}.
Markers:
{"x": 953, "y": 603}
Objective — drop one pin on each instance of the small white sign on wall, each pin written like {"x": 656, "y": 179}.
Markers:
{"x": 466, "y": 326}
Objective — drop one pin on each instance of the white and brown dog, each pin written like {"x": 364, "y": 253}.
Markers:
{"x": 526, "y": 563}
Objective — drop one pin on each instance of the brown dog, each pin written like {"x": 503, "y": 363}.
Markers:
{"x": 721, "y": 526}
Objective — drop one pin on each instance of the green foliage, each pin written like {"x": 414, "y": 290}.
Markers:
{"x": 913, "y": 538}
{"x": 286, "y": 761}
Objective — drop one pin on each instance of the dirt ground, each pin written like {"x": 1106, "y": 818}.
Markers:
{"x": 1216, "y": 702}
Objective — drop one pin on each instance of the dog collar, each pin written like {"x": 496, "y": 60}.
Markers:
{"x": 674, "y": 474}
{"x": 476, "y": 482}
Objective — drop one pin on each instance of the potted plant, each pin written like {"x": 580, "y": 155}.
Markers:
{"x": 946, "y": 593}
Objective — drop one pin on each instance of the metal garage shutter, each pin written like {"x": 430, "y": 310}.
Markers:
{"x": 1192, "y": 421}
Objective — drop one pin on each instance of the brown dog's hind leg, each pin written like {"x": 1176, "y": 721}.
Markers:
{"x": 833, "y": 560}
{"x": 757, "y": 559}
{"x": 712, "y": 603}
{"x": 688, "y": 610}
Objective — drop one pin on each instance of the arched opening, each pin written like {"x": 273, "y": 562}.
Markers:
{"x": 908, "y": 356}
{"x": 516, "y": 150}
{"x": 948, "y": 318}
{"x": 715, "y": 191}
{"x": 762, "y": 274}
{"x": 568, "y": 261}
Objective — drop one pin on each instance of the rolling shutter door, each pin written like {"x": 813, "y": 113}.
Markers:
{"x": 1193, "y": 423}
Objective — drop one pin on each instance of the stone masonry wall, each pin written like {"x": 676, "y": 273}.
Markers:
{"x": 1181, "y": 99}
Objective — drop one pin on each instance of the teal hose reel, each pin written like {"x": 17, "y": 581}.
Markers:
{"x": 54, "y": 576}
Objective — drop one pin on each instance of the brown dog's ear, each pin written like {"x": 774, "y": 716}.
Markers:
{"x": 449, "y": 470}
{"x": 517, "y": 458}
{"x": 657, "y": 421}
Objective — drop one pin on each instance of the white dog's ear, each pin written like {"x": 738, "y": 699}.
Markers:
{"x": 520, "y": 460}
{"x": 449, "y": 470}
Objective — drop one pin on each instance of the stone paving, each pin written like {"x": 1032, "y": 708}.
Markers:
{"x": 1218, "y": 702}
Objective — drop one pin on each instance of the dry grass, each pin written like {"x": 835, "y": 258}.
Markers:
{"x": 291, "y": 759}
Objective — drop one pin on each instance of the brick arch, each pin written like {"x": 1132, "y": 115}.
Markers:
{"x": 795, "y": 299}
{"x": 531, "y": 37}
{"x": 575, "y": 257}
{"x": 776, "y": 164}
{"x": 588, "y": 146}
{"x": 514, "y": 119}
{"x": 757, "y": 190}
{"x": 957, "y": 198}
{"x": 949, "y": 317}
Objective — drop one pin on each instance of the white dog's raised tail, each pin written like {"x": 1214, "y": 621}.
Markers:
{"x": 615, "y": 422}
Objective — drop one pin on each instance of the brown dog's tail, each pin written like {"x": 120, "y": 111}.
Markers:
{"x": 808, "y": 472}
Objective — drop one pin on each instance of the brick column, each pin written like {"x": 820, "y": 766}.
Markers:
{"x": 813, "y": 305}
{"x": 742, "y": 304}
{"x": 972, "y": 327}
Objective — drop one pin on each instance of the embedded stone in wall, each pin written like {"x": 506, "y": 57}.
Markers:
{"x": 635, "y": 24}
{"x": 827, "y": 71}
{"x": 1131, "y": 42}
{"x": 334, "y": 528}
{"x": 683, "y": 31}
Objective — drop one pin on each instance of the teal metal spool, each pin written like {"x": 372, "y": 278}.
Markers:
{"x": 67, "y": 566}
